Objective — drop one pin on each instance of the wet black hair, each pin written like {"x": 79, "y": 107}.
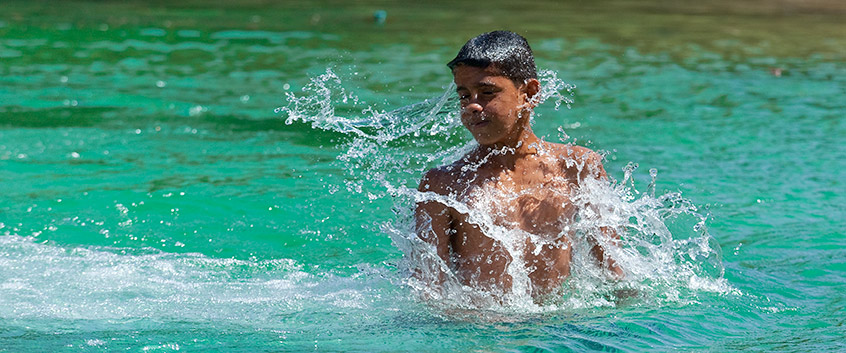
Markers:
{"x": 507, "y": 51}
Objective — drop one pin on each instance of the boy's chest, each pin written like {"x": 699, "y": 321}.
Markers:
{"x": 534, "y": 203}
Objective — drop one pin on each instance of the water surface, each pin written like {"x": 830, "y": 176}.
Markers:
{"x": 153, "y": 199}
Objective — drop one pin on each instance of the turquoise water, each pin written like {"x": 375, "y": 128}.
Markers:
{"x": 154, "y": 200}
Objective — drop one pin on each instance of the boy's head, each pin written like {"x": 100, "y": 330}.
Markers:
{"x": 508, "y": 52}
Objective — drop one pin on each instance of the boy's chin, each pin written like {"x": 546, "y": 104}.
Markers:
{"x": 487, "y": 139}
{"x": 485, "y": 143}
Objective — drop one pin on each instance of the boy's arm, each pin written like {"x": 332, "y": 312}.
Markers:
{"x": 596, "y": 170}
{"x": 604, "y": 260}
{"x": 434, "y": 222}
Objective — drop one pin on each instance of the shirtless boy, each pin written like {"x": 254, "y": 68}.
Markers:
{"x": 519, "y": 182}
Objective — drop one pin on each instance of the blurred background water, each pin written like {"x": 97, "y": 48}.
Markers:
{"x": 153, "y": 200}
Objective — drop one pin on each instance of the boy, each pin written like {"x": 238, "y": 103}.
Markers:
{"x": 513, "y": 183}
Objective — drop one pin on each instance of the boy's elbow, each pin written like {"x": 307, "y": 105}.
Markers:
{"x": 596, "y": 168}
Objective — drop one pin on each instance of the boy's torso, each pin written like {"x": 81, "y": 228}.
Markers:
{"x": 521, "y": 208}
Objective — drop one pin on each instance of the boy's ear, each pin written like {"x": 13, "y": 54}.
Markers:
{"x": 531, "y": 88}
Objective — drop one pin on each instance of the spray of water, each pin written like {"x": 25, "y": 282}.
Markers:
{"x": 665, "y": 251}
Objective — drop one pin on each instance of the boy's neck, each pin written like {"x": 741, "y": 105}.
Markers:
{"x": 507, "y": 153}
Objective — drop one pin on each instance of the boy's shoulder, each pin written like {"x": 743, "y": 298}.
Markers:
{"x": 577, "y": 161}
{"x": 449, "y": 178}
{"x": 441, "y": 179}
{"x": 581, "y": 160}
{"x": 568, "y": 153}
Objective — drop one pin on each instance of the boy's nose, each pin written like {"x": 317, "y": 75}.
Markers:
{"x": 473, "y": 107}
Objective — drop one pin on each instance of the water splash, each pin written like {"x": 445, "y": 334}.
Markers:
{"x": 555, "y": 88}
{"x": 666, "y": 253}
{"x": 123, "y": 285}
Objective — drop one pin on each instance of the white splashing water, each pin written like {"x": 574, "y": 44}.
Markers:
{"x": 48, "y": 286}
{"x": 667, "y": 254}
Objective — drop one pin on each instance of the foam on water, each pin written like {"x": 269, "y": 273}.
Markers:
{"x": 122, "y": 285}
{"x": 667, "y": 254}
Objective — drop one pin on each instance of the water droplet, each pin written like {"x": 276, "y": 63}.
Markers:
{"x": 197, "y": 110}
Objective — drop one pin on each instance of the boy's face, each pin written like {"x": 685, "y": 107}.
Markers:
{"x": 493, "y": 108}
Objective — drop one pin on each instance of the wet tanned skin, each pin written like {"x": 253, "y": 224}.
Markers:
{"x": 524, "y": 191}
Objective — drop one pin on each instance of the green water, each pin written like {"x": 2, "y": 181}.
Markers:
{"x": 152, "y": 200}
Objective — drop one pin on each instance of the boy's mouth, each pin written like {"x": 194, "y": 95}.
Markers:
{"x": 481, "y": 123}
